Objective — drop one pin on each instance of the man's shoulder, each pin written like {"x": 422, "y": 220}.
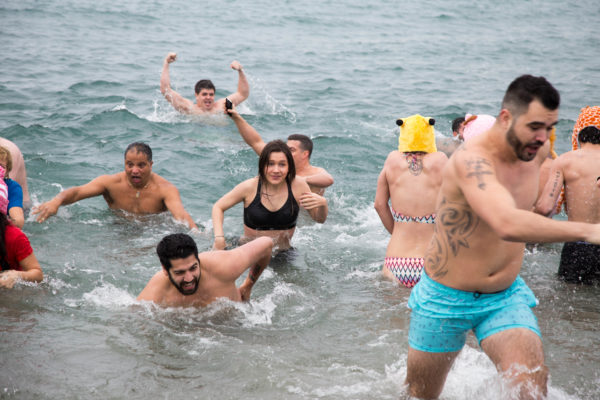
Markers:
{"x": 112, "y": 178}
{"x": 313, "y": 170}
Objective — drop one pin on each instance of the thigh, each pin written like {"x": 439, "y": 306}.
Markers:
{"x": 426, "y": 372}
{"x": 514, "y": 346}
{"x": 519, "y": 355}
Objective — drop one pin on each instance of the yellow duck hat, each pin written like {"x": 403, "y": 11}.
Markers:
{"x": 416, "y": 134}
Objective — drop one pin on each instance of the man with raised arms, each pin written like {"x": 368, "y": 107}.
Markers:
{"x": 579, "y": 171}
{"x": 301, "y": 146}
{"x": 191, "y": 279}
{"x": 204, "y": 89}
{"x": 137, "y": 190}
{"x": 483, "y": 219}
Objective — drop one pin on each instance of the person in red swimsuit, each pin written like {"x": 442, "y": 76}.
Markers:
{"x": 17, "y": 261}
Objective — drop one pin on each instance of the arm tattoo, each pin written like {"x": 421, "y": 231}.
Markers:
{"x": 478, "y": 168}
{"x": 555, "y": 186}
{"x": 455, "y": 223}
{"x": 415, "y": 163}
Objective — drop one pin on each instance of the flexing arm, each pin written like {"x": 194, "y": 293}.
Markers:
{"x": 248, "y": 133}
{"x": 93, "y": 188}
{"x": 31, "y": 271}
{"x": 315, "y": 204}
{"x": 493, "y": 203}
{"x": 235, "y": 196}
{"x": 173, "y": 203}
{"x": 322, "y": 179}
{"x": 243, "y": 89}
{"x": 255, "y": 255}
{"x": 546, "y": 203}
{"x": 382, "y": 196}
{"x": 180, "y": 103}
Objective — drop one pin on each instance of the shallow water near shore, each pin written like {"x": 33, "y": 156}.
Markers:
{"x": 79, "y": 81}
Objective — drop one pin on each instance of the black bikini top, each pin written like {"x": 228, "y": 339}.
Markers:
{"x": 258, "y": 217}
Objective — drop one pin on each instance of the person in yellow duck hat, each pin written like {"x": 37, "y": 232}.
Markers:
{"x": 405, "y": 200}
{"x": 416, "y": 134}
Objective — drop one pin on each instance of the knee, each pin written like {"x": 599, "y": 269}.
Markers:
{"x": 531, "y": 382}
{"x": 422, "y": 390}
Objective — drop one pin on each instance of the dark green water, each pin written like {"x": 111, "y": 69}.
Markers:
{"x": 79, "y": 80}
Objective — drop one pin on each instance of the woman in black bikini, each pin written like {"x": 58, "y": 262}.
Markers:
{"x": 270, "y": 205}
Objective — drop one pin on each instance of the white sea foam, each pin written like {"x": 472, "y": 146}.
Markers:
{"x": 109, "y": 296}
{"x": 473, "y": 376}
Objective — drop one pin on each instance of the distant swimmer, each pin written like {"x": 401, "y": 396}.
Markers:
{"x": 483, "y": 220}
{"x": 137, "y": 190}
{"x": 411, "y": 179}
{"x": 301, "y": 147}
{"x": 15, "y": 192}
{"x": 205, "y": 91}
{"x": 19, "y": 173}
{"x": 578, "y": 170}
{"x": 271, "y": 200}
{"x": 449, "y": 145}
{"x": 17, "y": 260}
{"x": 190, "y": 279}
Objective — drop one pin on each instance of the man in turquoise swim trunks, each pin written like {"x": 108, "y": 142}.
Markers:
{"x": 483, "y": 220}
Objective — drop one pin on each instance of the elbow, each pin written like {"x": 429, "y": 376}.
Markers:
{"x": 380, "y": 206}
{"x": 19, "y": 222}
{"x": 37, "y": 277}
{"x": 269, "y": 243}
{"x": 543, "y": 209}
{"x": 322, "y": 217}
{"x": 508, "y": 232}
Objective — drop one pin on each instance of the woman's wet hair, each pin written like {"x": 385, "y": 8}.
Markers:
{"x": 175, "y": 246}
{"x": 6, "y": 156}
{"x": 139, "y": 147}
{"x": 276, "y": 146}
{"x": 589, "y": 134}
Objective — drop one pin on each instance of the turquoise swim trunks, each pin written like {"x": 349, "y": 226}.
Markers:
{"x": 441, "y": 316}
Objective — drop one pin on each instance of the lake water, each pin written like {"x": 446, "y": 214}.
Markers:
{"x": 79, "y": 81}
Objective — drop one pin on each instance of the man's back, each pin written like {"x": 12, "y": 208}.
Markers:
{"x": 581, "y": 169}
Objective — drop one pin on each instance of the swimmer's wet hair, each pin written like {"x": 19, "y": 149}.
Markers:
{"x": 175, "y": 246}
{"x": 589, "y": 134}
{"x": 526, "y": 88}
{"x": 204, "y": 84}
{"x": 456, "y": 123}
{"x": 6, "y": 156}
{"x": 305, "y": 143}
{"x": 139, "y": 147}
{"x": 276, "y": 146}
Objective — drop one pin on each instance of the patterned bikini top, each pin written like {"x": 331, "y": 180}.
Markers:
{"x": 425, "y": 219}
